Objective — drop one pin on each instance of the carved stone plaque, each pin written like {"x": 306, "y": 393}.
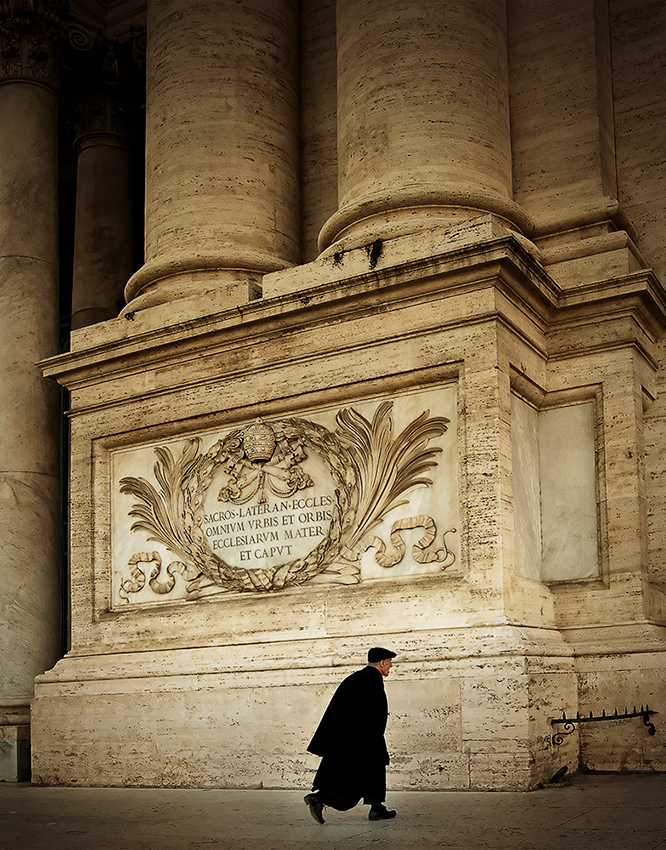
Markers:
{"x": 335, "y": 496}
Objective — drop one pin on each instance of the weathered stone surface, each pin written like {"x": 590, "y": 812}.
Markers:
{"x": 29, "y": 490}
{"x": 248, "y": 725}
{"x": 484, "y": 182}
{"x": 221, "y": 179}
{"x": 418, "y": 151}
{"x": 479, "y": 688}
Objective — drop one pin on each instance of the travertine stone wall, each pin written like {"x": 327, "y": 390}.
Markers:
{"x": 222, "y": 198}
{"x": 456, "y": 723}
{"x": 640, "y": 62}
{"x": 633, "y": 680}
{"x": 472, "y": 170}
{"x": 485, "y": 663}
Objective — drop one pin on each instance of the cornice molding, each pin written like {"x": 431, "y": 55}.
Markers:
{"x": 497, "y": 280}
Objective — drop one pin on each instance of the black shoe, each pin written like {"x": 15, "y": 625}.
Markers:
{"x": 316, "y": 807}
{"x": 380, "y": 812}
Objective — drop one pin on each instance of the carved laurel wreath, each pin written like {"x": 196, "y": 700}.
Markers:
{"x": 371, "y": 469}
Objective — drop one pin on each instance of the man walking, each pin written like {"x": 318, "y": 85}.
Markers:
{"x": 350, "y": 741}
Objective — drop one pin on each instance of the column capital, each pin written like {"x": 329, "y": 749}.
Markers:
{"x": 29, "y": 31}
{"x": 105, "y": 88}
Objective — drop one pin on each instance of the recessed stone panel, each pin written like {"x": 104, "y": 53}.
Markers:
{"x": 337, "y": 495}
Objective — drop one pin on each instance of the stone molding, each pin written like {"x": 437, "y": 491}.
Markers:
{"x": 14, "y": 712}
{"x": 503, "y": 263}
{"x": 431, "y": 200}
{"x": 190, "y": 268}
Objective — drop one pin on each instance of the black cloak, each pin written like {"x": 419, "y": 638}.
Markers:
{"x": 350, "y": 740}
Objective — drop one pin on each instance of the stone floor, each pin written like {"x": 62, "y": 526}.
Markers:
{"x": 591, "y": 812}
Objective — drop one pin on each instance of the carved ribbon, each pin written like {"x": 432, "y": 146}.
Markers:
{"x": 158, "y": 586}
{"x": 387, "y": 560}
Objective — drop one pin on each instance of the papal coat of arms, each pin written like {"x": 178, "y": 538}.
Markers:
{"x": 246, "y": 515}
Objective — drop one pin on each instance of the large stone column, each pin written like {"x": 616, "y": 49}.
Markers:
{"x": 221, "y": 149}
{"x": 105, "y": 254}
{"x": 423, "y": 116}
{"x": 29, "y": 331}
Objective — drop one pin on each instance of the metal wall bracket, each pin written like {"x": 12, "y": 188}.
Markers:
{"x": 569, "y": 723}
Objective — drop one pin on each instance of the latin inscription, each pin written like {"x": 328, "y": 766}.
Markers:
{"x": 266, "y": 531}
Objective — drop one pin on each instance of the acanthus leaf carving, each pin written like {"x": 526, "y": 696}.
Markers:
{"x": 30, "y": 31}
{"x": 371, "y": 468}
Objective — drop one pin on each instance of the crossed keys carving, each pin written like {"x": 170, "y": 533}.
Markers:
{"x": 250, "y": 473}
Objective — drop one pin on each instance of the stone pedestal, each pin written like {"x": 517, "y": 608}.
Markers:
{"x": 231, "y": 590}
{"x": 460, "y": 717}
{"x": 431, "y": 436}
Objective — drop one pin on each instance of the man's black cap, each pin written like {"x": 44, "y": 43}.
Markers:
{"x": 377, "y": 654}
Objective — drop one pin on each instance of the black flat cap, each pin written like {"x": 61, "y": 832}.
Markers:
{"x": 377, "y": 654}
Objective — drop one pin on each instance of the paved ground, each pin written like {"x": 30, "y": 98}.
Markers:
{"x": 582, "y": 813}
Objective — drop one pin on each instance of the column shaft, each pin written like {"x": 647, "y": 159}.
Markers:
{"x": 423, "y": 115}
{"x": 222, "y": 204}
{"x": 104, "y": 254}
{"x": 562, "y": 132}
{"x": 29, "y": 330}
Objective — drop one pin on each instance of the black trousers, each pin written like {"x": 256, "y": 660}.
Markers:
{"x": 340, "y": 782}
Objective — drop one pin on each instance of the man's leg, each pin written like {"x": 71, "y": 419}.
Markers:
{"x": 316, "y": 806}
{"x": 332, "y": 786}
{"x": 318, "y": 799}
{"x": 376, "y": 794}
{"x": 378, "y": 811}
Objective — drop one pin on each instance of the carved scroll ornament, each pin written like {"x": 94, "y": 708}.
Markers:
{"x": 371, "y": 469}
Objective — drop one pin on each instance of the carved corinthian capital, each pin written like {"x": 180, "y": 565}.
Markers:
{"x": 106, "y": 88}
{"x": 29, "y": 30}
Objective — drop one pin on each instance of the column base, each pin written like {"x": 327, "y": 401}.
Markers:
{"x": 14, "y": 742}
{"x": 236, "y": 275}
{"x": 415, "y": 208}
{"x": 195, "y": 296}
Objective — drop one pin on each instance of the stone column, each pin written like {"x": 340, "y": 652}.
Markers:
{"x": 29, "y": 332}
{"x": 563, "y": 139}
{"x": 221, "y": 149}
{"x": 318, "y": 107}
{"x": 105, "y": 254}
{"x": 103, "y": 240}
{"x": 423, "y": 116}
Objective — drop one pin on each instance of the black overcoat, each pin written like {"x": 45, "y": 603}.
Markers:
{"x": 350, "y": 740}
